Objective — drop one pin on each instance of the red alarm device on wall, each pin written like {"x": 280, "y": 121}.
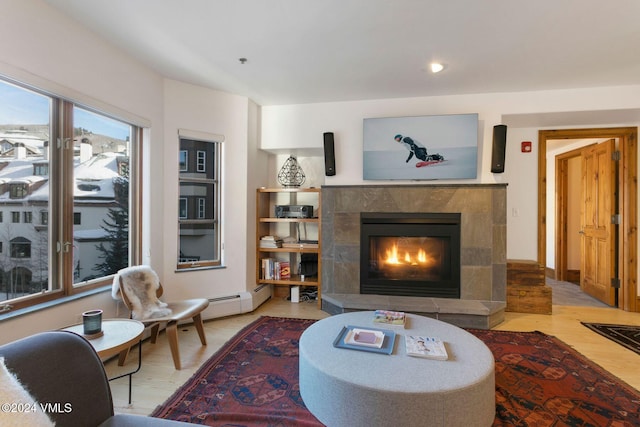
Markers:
{"x": 526, "y": 146}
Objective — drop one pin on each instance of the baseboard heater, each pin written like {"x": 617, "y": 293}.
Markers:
{"x": 236, "y": 296}
{"x": 214, "y": 300}
{"x": 261, "y": 287}
{"x": 243, "y": 302}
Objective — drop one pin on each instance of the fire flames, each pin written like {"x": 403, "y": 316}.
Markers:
{"x": 416, "y": 258}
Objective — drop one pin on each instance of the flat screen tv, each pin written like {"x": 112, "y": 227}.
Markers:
{"x": 421, "y": 147}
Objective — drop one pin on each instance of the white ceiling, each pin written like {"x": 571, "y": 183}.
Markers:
{"x": 301, "y": 51}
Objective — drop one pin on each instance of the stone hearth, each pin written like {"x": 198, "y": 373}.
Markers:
{"x": 483, "y": 248}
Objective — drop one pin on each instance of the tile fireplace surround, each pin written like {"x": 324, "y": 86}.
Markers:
{"x": 483, "y": 248}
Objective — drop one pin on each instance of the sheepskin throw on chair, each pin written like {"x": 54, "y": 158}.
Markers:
{"x": 140, "y": 284}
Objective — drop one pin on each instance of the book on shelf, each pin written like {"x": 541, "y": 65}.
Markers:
{"x": 427, "y": 347}
{"x": 267, "y": 270}
{"x": 284, "y": 270}
{"x": 390, "y": 318}
{"x": 300, "y": 245}
{"x": 273, "y": 269}
{"x": 270, "y": 242}
{"x": 270, "y": 245}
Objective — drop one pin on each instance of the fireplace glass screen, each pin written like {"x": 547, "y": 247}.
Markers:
{"x": 412, "y": 258}
{"x": 410, "y": 254}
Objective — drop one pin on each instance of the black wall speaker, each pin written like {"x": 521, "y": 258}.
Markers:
{"x": 499, "y": 146}
{"x": 329, "y": 155}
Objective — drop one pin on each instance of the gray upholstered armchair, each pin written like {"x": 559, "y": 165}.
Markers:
{"x": 60, "y": 367}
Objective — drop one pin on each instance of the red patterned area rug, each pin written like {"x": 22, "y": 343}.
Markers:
{"x": 540, "y": 381}
{"x": 251, "y": 381}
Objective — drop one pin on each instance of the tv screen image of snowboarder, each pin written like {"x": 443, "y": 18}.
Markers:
{"x": 421, "y": 147}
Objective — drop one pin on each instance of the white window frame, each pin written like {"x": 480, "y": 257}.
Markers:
{"x": 214, "y": 217}
{"x": 201, "y": 161}
{"x": 202, "y": 207}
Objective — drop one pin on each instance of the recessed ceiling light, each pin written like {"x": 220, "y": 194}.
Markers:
{"x": 436, "y": 67}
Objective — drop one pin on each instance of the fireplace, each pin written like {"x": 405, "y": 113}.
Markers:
{"x": 411, "y": 254}
{"x": 483, "y": 233}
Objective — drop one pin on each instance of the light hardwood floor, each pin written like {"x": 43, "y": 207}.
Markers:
{"x": 158, "y": 379}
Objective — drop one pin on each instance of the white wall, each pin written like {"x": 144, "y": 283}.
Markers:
{"x": 199, "y": 109}
{"x": 291, "y": 126}
{"x": 257, "y": 170}
{"x": 521, "y": 174}
{"x": 52, "y": 52}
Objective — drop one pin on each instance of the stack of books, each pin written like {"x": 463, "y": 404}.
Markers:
{"x": 275, "y": 270}
{"x": 270, "y": 242}
{"x": 427, "y": 347}
{"x": 300, "y": 245}
{"x": 390, "y": 318}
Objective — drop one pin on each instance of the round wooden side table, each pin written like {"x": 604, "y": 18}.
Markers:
{"x": 117, "y": 335}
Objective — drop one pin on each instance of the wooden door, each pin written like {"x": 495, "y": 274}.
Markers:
{"x": 598, "y": 232}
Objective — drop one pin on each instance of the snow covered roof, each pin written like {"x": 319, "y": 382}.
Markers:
{"x": 93, "y": 234}
{"x": 93, "y": 179}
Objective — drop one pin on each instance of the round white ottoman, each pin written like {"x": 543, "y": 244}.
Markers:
{"x": 343, "y": 387}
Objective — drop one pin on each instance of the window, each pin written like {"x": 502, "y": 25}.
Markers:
{"x": 201, "y": 162}
{"x": 123, "y": 166}
{"x": 183, "y": 161}
{"x": 20, "y": 248}
{"x": 18, "y": 191}
{"x": 41, "y": 169}
{"x": 201, "y": 207}
{"x": 88, "y": 187}
{"x": 101, "y": 247}
{"x": 182, "y": 208}
{"x": 199, "y": 201}
{"x": 98, "y": 152}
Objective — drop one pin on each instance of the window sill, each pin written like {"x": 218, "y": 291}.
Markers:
{"x": 206, "y": 267}
{"x": 59, "y": 301}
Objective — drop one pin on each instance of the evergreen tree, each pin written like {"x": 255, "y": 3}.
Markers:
{"x": 115, "y": 251}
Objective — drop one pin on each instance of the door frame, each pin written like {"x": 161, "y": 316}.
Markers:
{"x": 627, "y": 205}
